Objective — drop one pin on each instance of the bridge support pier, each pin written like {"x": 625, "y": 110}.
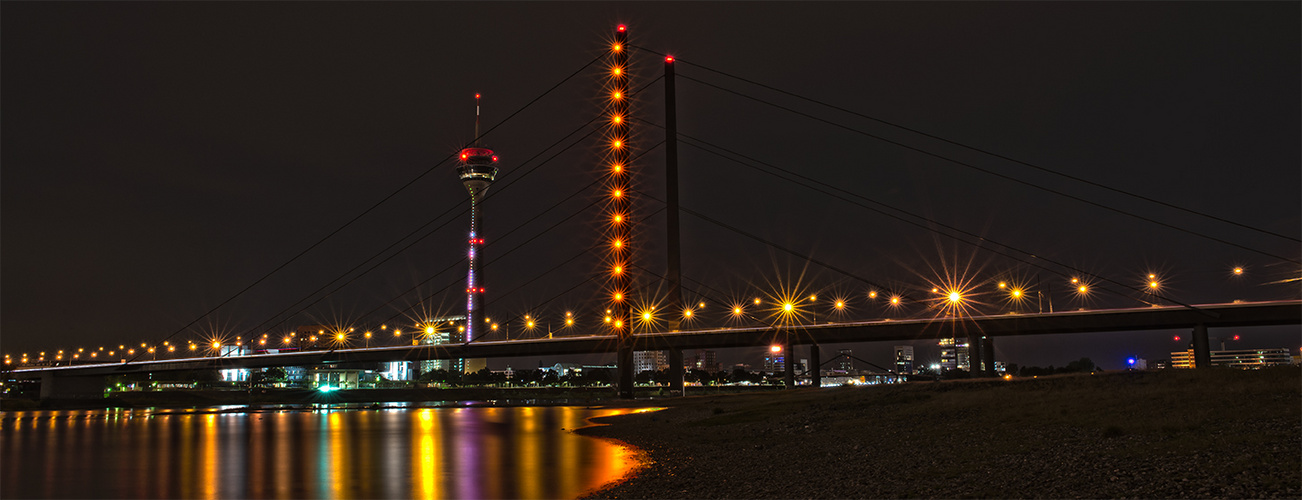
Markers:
{"x": 974, "y": 354}
{"x": 988, "y": 355}
{"x": 815, "y": 373}
{"x": 676, "y": 371}
{"x": 624, "y": 365}
{"x": 72, "y": 387}
{"x": 789, "y": 364}
{"x": 1202, "y": 349}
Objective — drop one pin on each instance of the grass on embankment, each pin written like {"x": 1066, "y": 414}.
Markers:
{"x": 1175, "y": 433}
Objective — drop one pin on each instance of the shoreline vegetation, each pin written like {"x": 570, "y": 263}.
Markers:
{"x": 1215, "y": 433}
{"x": 513, "y": 396}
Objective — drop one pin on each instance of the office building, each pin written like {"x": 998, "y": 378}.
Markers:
{"x": 904, "y": 359}
{"x": 1248, "y": 359}
{"x": 644, "y": 361}
{"x": 953, "y": 354}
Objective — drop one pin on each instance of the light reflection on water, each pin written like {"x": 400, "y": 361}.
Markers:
{"x": 476, "y": 452}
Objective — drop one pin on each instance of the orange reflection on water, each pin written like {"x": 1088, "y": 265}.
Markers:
{"x": 428, "y": 468}
{"x": 513, "y": 452}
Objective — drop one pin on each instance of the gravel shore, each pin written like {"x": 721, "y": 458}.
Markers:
{"x": 1170, "y": 434}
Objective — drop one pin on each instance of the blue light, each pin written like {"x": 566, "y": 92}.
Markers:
{"x": 325, "y": 388}
{"x": 1130, "y": 361}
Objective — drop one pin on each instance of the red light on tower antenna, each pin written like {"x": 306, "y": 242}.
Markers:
{"x": 622, "y": 28}
{"x": 669, "y": 59}
{"x": 476, "y": 96}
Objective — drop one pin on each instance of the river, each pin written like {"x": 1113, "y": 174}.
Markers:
{"x": 393, "y": 451}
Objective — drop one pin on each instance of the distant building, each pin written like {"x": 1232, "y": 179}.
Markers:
{"x": 649, "y": 361}
{"x": 775, "y": 361}
{"x": 563, "y": 369}
{"x": 705, "y": 360}
{"x": 904, "y": 359}
{"x": 953, "y": 354}
{"x": 1248, "y": 359}
{"x": 441, "y": 336}
{"x": 847, "y": 363}
{"x": 334, "y": 378}
{"x": 235, "y": 375}
{"x": 295, "y": 374}
{"x": 396, "y": 370}
{"x": 230, "y": 351}
{"x": 473, "y": 365}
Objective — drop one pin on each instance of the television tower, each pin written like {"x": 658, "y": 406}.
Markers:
{"x": 477, "y": 169}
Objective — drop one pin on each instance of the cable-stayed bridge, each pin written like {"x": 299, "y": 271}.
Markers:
{"x": 628, "y": 301}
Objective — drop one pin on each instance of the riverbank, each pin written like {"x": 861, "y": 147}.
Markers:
{"x": 1167, "y": 434}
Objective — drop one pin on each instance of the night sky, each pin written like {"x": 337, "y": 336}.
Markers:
{"x": 160, "y": 157}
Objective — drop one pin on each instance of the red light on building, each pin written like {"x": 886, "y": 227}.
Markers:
{"x": 669, "y": 59}
{"x": 622, "y": 28}
{"x": 1177, "y": 338}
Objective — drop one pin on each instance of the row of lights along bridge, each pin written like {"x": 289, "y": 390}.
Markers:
{"x": 948, "y": 299}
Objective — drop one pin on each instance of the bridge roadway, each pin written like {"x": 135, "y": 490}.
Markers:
{"x": 1102, "y": 320}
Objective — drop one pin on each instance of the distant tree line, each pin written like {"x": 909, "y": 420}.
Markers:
{"x": 590, "y": 377}
{"x": 1082, "y": 365}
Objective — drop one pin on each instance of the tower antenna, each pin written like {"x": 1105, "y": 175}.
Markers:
{"x": 476, "y": 119}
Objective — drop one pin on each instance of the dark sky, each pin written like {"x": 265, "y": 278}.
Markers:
{"x": 160, "y": 157}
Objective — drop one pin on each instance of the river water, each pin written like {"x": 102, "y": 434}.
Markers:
{"x": 390, "y": 452}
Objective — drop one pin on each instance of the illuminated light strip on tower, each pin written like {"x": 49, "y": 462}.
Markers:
{"x": 619, "y": 233}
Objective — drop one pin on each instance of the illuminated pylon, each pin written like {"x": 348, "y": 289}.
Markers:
{"x": 477, "y": 168}
{"x": 618, "y": 214}
{"x": 617, "y": 185}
